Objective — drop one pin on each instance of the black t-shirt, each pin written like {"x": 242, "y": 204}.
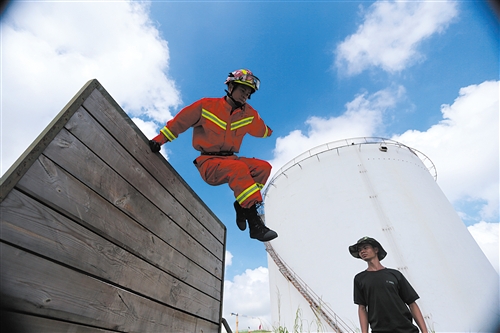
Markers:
{"x": 386, "y": 293}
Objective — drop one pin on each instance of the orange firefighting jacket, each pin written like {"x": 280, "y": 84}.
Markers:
{"x": 215, "y": 128}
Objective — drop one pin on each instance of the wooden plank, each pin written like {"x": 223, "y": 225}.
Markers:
{"x": 23, "y": 323}
{"x": 40, "y": 287}
{"x": 23, "y": 163}
{"x": 92, "y": 135}
{"x": 78, "y": 160}
{"x": 59, "y": 190}
{"x": 102, "y": 107}
{"x": 30, "y": 225}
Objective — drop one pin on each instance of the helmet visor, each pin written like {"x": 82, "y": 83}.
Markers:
{"x": 246, "y": 79}
{"x": 252, "y": 79}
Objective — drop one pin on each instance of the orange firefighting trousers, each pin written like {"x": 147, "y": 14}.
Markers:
{"x": 245, "y": 176}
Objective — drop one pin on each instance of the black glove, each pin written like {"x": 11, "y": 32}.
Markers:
{"x": 154, "y": 146}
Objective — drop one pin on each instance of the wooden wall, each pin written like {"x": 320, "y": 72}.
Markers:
{"x": 98, "y": 234}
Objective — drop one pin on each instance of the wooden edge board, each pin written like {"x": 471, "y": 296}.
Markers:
{"x": 24, "y": 162}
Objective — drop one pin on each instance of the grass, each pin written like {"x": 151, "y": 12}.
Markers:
{"x": 298, "y": 325}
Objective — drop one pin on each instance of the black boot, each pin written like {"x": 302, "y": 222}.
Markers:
{"x": 241, "y": 218}
{"x": 258, "y": 230}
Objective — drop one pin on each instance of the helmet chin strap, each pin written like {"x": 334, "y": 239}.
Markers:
{"x": 236, "y": 103}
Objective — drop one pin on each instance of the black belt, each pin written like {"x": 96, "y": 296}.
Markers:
{"x": 219, "y": 153}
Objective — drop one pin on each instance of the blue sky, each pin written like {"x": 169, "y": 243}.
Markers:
{"x": 423, "y": 73}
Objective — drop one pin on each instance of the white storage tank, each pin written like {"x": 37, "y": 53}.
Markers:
{"x": 329, "y": 197}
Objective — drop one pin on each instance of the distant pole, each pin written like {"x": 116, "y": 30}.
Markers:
{"x": 235, "y": 314}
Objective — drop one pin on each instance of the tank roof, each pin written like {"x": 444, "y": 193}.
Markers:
{"x": 336, "y": 145}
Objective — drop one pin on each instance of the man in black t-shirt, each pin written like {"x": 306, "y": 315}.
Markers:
{"x": 385, "y": 299}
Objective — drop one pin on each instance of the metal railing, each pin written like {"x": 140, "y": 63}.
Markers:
{"x": 315, "y": 302}
{"x": 336, "y": 145}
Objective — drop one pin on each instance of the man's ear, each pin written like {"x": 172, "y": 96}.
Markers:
{"x": 375, "y": 249}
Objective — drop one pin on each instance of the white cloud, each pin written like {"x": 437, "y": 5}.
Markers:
{"x": 248, "y": 296}
{"x": 51, "y": 49}
{"x": 150, "y": 130}
{"x": 362, "y": 117}
{"x": 229, "y": 259}
{"x": 464, "y": 147}
{"x": 487, "y": 237}
{"x": 391, "y": 33}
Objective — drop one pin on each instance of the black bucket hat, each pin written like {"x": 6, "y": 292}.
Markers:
{"x": 353, "y": 249}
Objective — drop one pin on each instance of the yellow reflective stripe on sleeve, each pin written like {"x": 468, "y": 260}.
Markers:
{"x": 247, "y": 193}
{"x": 266, "y": 133}
{"x": 169, "y": 135}
{"x": 241, "y": 123}
{"x": 213, "y": 118}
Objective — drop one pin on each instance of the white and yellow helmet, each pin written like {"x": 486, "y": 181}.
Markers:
{"x": 244, "y": 76}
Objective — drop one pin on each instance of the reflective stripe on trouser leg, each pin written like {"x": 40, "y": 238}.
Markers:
{"x": 248, "y": 193}
{"x": 245, "y": 176}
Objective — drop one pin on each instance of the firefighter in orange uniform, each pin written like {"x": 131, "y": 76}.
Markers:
{"x": 219, "y": 125}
